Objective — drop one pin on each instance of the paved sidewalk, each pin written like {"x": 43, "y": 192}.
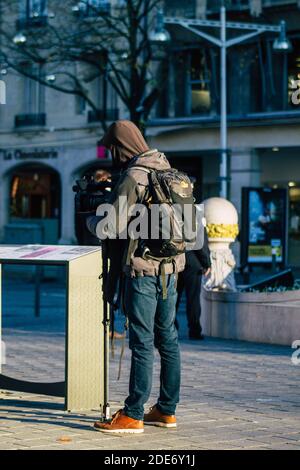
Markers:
{"x": 235, "y": 395}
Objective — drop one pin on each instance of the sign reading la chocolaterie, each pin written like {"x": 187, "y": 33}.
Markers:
{"x": 19, "y": 154}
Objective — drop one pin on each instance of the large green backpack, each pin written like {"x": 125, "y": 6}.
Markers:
{"x": 169, "y": 193}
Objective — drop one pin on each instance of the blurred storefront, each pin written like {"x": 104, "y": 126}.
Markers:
{"x": 34, "y": 201}
{"x": 37, "y": 204}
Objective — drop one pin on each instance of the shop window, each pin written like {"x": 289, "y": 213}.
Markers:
{"x": 294, "y": 76}
{"x": 294, "y": 228}
{"x": 34, "y": 195}
{"x": 294, "y": 224}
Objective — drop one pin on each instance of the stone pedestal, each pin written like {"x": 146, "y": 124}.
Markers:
{"x": 222, "y": 229}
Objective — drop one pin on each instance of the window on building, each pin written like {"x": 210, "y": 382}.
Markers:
{"x": 34, "y": 91}
{"x": 30, "y": 9}
{"x": 199, "y": 83}
{"x": 104, "y": 96}
{"x": 274, "y": 72}
{"x": 194, "y": 90}
{"x": 33, "y": 13}
{"x": 244, "y": 80}
{"x": 258, "y": 78}
{"x": 98, "y": 95}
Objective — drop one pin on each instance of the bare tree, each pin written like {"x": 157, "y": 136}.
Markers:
{"x": 72, "y": 43}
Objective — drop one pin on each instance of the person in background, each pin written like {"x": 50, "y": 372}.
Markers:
{"x": 197, "y": 264}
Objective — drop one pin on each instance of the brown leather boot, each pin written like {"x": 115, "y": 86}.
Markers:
{"x": 120, "y": 423}
{"x": 156, "y": 418}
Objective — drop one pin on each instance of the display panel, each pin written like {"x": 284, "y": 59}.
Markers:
{"x": 264, "y": 227}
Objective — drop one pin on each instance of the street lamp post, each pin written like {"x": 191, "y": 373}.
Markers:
{"x": 224, "y": 156}
{"x": 281, "y": 44}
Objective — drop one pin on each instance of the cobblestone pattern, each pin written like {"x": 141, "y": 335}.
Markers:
{"x": 234, "y": 395}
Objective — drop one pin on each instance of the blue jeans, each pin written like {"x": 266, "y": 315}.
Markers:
{"x": 151, "y": 323}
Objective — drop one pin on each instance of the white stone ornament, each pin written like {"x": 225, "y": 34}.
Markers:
{"x": 222, "y": 229}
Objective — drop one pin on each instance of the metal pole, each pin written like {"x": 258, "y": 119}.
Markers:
{"x": 224, "y": 157}
{"x": 285, "y": 81}
{"x": 106, "y": 324}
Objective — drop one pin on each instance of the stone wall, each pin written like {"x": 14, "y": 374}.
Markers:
{"x": 260, "y": 317}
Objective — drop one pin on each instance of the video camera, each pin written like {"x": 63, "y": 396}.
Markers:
{"x": 88, "y": 196}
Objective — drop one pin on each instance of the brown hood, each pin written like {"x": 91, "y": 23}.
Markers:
{"x": 152, "y": 159}
{"x": 125, "y": 141}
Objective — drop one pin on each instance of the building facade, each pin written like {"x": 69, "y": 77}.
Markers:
{"x": 49, "y": 139}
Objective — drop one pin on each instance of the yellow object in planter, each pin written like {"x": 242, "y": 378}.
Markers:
{"x": 222, "y": 230}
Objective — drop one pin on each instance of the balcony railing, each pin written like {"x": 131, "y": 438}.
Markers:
{"x": 90, "y": 9}
{"x": 213, "y": 6}
{"x": 240, "y": 120}
{"x": 26, "y": 120}
{"x": 111, "y": 114}
{"x": 273, "y": 3}
{"x": 179, "y": 8}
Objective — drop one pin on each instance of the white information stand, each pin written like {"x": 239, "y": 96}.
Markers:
{"x": 83, "y": 387}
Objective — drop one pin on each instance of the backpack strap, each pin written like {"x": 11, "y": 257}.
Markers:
{"x": 132, "y": 245}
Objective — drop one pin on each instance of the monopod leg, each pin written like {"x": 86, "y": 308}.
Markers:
{"x": 106, "y": 324}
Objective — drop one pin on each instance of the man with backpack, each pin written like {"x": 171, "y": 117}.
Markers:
{"x": 150, "y": 270}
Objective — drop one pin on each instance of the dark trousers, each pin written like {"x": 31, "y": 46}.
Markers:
{"x": 151, "y": 323}
{"x": 190, "y": 281}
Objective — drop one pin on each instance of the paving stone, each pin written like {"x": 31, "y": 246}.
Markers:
{"x": 235, "y": 395}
